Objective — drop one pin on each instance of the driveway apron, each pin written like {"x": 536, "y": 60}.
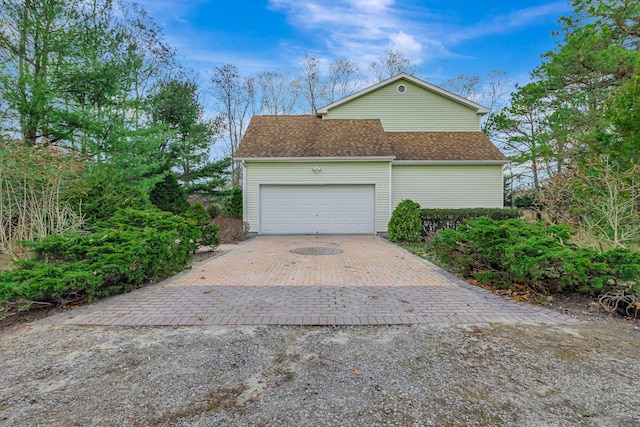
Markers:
{"x": 309, "y": 280}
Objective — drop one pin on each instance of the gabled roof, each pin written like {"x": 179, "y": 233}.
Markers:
{"x": 462, "y": 146}
{"x": 310, "y": 136}
{"x": 404, "y": 76}
{"x": 300, "y": 137}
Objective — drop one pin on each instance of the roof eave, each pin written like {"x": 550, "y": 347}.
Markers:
{"x": 317, "y": 159}
{"x": 449, "y": 162}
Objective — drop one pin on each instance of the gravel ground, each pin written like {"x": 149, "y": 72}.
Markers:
{"x": 421, "y": 375}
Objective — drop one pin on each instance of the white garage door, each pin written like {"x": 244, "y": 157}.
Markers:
{"x": 317, "y": 209}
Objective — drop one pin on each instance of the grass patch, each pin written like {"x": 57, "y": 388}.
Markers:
{"x": 423, "y": 250}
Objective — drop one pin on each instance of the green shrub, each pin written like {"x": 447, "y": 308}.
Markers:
{"x": 624, "y": 265}
{"x": 179, "y": 236}
{"x": 404, "y": 225}
{"x": 516, "y": 252}
{"x": 198, "y": 214}
{"x": 34, "y": 281}
{"x": 210, "y": 236}
{"x": 132, "y": 248}
{"x": 214, "y": 210}
{"x": 169, "y": 196}
{"x": 525, "y": 201}
{"x": 434, "y": 220}
{"x": 233, "y": 209}
{"x": 100, "y": 198}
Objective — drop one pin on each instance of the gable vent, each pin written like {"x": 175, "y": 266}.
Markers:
{"x": 402, "y": 88}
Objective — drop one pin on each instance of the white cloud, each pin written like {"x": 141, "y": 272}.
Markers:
{"x": 180, "y": 20}
{"x": 362, "y": 29}
{"x": 510, "y": 21}
{"x": 374, "y": 4}
{"x": 531, "y": 14}
{"x": 405, "y": 43}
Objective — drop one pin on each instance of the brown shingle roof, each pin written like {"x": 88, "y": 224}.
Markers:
{"x": 311, "y": 136}
{"x": 443, "y": 146}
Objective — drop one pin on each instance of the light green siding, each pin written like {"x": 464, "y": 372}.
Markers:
{"x": 300, "y": 173}
{"x": 415, "y": 110}
{"x": 448, "y": 186}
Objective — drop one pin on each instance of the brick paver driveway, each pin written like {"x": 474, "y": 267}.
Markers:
{"x": 354, "y": 280}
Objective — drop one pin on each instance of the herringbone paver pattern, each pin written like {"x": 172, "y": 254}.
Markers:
{"x": 261, "y": 282}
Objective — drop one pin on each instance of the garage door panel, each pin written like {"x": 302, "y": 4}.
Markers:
{"x": 317, "y": 209}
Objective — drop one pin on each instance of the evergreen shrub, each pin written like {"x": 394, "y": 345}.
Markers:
{"x": 101, "y": 198}
{"x": 169, "y": 196}
{"x": 404, "y": 225}
{"x": 233, "y": 209}
{"x": 199, "y": 215}
{"x": 503, "y": 253}
{"x": 132, "y": 248}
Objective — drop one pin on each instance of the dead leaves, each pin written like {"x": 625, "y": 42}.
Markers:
{"x": 520, "y": 293}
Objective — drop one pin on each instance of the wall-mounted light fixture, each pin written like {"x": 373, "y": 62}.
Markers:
{"x": 316, "y": 169}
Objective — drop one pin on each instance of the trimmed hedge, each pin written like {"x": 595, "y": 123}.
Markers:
{"x": 133, "y": 248}
{"x": 503, "y": 253}
{"x": 404, "y": 225}
{"x": 434, "y": 220}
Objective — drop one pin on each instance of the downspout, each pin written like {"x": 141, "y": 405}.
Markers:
{"x": 390, "y": 191}
{"x": 244, "y": 192}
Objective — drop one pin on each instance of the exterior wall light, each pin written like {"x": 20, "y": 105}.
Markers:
{"x": 316, "y": 169}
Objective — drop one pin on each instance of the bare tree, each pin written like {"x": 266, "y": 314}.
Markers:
{"x": 497, "y": 89}
{"x": 250, "y": 86}
{"x": 278, "y": 94}
{"x": 155, "y": 57}
{"x": 391, "y": 63}
{"x": 237, "y": 97}
{"x": 342, "y": 73}
{"x": 606, "y": 199}
{"x": 491, "y": 92}
{"x": 468, "y": 87}
{"x": 311, "y": 85}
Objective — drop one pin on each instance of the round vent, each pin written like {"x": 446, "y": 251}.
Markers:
{"x": 402, "y": 88}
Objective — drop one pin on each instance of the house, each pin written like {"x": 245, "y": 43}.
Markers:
{"x": 343, "y": 170}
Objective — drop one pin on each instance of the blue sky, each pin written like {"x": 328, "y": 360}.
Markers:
{"x": 444, "y": 38}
